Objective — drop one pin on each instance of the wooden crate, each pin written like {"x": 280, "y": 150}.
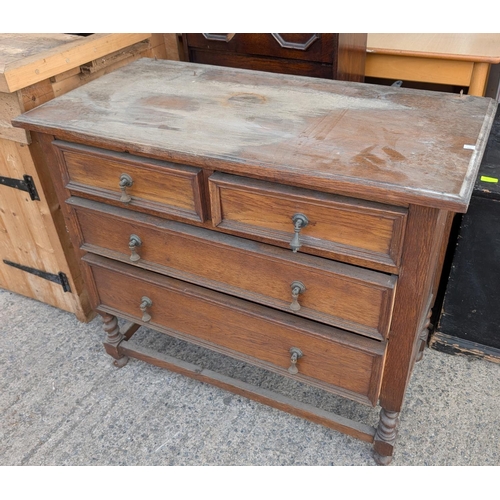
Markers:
{"x": 34, "y": 243}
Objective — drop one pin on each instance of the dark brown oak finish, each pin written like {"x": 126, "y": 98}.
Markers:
{"x": 351, "y": 298}
{"x": 224, "y": 160}
{"x": 368, "y": 234}
{"x": 155, "y": 186}
{"x": 346, "y": 363}
{"x": 326, "y": 55}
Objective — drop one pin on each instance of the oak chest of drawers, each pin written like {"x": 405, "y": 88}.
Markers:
{"x": 294, "y": 223}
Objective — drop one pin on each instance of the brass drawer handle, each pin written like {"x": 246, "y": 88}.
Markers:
{"x": 297, "y": 288}
{"x": 295, "y": 355}
{"x": 133, "y": 243}
{"x": 299, "y": 221}
{"x": 125, "y": 182}
{"x": 146, "y": 303}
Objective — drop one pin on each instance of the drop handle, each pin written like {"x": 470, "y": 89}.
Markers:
{"x": 125, "y": 182}
{"x": 146, "y": 303}
{"x": 134, "y": 242}
{"x": 297, "y": 288}
{"x": 295, "y": 355}
{"x": 299, "y": 221}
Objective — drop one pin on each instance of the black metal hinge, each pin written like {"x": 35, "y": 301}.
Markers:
{"x": 59, "y": 278}
{"x": 24, "y": 184}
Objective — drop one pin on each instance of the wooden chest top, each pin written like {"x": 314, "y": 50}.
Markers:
{"x": 375, "y": 142}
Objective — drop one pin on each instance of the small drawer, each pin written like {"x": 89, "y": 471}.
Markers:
{"x": 134, "y": 182}
{"x": 351, "y": 298}
{"x": 337, "y": 361}
{"x": 364, "y": 233}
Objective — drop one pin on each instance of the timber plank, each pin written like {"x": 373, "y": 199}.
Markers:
{"x": 10, "y": 107}
{"x": 34, "y": 68}
{"x": 28, "y": 235}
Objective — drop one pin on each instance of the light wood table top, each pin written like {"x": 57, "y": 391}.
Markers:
{"x": 445, "y": 58}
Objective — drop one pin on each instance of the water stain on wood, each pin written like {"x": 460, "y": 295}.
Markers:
{"x": 246, "y": 98}
{"x": 170, "y": 102}
{"x": 393, "y": 154}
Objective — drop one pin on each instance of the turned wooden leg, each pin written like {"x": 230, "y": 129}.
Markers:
{"x": 113, "y": 339}
{"x": 385, "y": 437}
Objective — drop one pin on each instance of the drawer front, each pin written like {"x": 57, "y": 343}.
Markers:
{"x": 134, "y": 182}
{"x": 364, "y": 233}
{"x": 318, "y": 47}
{"x": 334, "y": 293}
{"x": 335, "y": 360}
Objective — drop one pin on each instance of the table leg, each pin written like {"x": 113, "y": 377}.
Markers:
{"x": 479, "y": 79}
{"x": 385, "y": 436}
{"x": 113, "y": 339}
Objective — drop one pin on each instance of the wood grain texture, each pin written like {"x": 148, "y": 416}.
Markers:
{"x": 34, "y": 68}
{"x": 29, "y": 236}
{"x": 479, "y": 78}
{"x": 173, "y": 46}
{"x": 407, "y": 145}
{"x": 364, "y": 233}
{"x": 351, "y": 57}
{"x": 318, "y": 47}
{"x": 10, "y": 107}
{"x": 351, "y": 298}
{"x": 38, "y": 60}
{"x": 15, "y": 47}
{"x": 159, "y": 186}
{"x": 422, "y": 69}
{"x": 465, "y": 46}
{"x": 424, "y": 234}
{"x": 52, "y": 174}
{"x": 275, "y": 65}
{"x": 335, "y": 360}
{"x": 340, "y": 56}
{"x": 451, "y": 344}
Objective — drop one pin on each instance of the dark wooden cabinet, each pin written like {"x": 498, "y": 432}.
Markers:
{"x": 293, "y": 223}
{"x": 340, "y": 56}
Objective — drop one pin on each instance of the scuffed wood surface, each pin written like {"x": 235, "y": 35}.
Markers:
{"x": 24, "y": 61}
{"x": 18, "y": 46}
{"x": 405, "y": 145}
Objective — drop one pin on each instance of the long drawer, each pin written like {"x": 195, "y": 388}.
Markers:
{"x": 335, "y": 360}
{"x": 134, "y": 182}
{"x": 334, "y": 293}
{"x": 361, "y": 232}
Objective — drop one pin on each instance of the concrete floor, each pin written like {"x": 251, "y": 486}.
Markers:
{"x": 63, "y": 403}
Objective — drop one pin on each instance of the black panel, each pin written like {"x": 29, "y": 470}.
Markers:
{"x": 471, "y": 307}
{"x": 490, "y": 165}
